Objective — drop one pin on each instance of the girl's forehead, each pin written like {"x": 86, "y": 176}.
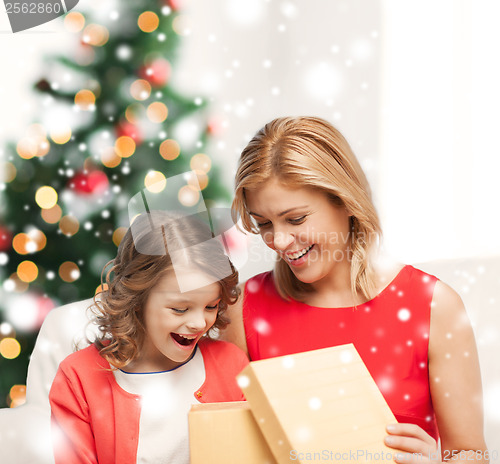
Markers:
{"x": 172, "y": 283}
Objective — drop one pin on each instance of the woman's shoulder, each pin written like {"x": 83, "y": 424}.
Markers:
{"x": 390, "y": 273}
{"x": 257, "y": 281}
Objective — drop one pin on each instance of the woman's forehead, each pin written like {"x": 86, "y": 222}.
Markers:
{"x": 277, "y": 197}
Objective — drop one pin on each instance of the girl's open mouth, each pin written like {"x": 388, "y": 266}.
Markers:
{"x": 182, "y": 340}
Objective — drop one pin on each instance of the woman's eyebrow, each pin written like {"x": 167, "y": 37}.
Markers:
{"x": 283, "y": 212}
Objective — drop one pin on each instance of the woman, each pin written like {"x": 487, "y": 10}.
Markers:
{"x": 300, "y": 187}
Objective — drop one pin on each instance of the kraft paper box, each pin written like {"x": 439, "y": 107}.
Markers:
{"x": 226, "y": 433}
{"x": 319, "y": 406}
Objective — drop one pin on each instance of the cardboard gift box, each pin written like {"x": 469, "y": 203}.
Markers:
{"x": 226, "y": 433}
{"x": 319, "y": 405}
{"x": 316, "y": 406}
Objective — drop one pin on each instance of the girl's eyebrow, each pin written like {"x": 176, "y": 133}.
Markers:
{"x": 283, "y": 212}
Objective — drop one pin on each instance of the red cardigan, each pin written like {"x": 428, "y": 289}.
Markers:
{"x": 96, "y": 421}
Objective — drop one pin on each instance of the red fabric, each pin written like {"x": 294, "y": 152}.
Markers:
{"x": 96, "y": 421}
{"x": 390, "y": 333}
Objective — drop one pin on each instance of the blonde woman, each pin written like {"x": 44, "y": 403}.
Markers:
{"x": 300, "y": 187}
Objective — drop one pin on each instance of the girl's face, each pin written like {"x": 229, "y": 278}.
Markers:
{"x": 176, "y": 321}
{"x": 303, "y": 226}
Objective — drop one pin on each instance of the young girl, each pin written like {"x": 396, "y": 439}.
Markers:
{"x": 300, "y": 187}
{"x": 125, "y": 398}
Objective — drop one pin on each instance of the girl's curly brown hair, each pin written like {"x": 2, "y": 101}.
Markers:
{"x": 143, "y": 258}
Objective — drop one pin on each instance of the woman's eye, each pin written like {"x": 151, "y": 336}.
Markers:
{"x": 296, "y": 221}
{"x": 263, "y": 225}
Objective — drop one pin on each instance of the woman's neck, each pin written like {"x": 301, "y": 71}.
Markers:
{"x": 334, "y": 290}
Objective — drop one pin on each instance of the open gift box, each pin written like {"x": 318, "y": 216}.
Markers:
{"x": 320, "y": 405}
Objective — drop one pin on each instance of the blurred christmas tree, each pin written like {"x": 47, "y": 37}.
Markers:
{"x": 111, "y": 126}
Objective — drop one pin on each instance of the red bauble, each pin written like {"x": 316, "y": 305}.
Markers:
{"x": 88, "y": 183}
{"x": 5, "y": 239}
{"x": 157, "y": 73}
{"x": 215, "y": 126}
{"x": 45, "y": 305}
{"x": 176, "y": 5}
{"x": 130, "y": 130}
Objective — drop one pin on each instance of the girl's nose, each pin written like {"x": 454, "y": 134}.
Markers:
{"x": 197, "y": 321}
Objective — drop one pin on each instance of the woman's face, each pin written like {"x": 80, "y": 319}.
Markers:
{"x": 303, "y": 226}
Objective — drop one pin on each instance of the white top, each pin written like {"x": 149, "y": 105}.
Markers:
{"x": 166, "y": 398}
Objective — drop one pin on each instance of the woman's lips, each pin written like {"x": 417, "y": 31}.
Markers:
{"x": 302, "y": 257}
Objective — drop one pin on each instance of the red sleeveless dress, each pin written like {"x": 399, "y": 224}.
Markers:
{"x": 390, "y": 332}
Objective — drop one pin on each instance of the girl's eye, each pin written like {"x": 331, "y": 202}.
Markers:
{"x": 263, "y": 225}
{"x": 211, "y": 308}
{"x": 178, "y": 311}
{"x": 297, "y": 221}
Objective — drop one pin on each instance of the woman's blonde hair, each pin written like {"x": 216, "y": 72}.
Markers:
{"x": 143, "y": 259}
{"x": 310, "y": 152}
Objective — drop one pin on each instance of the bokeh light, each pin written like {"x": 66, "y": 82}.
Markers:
{"x": 155, "y": 181}
{"x": 200, "y": 162}
{"x": 182, "y": 25}
{"x": 157, "y": 112}
{"x": 202, "y": 180}
{"x": 101, "y": 288}
{"x": 31, "y": 146}
{"x": 20, "y": 242}
{"x": 69, "y": 271}
{"x": 244, "y": 12}
{"x": 188, "y": 195}
{"x": 61, "y": 135}
{"x": 69, "y": 225}
{"x": 27, "y": 271}
{"x": 85, "y": 99}
{"x": 110, "y": 158}
{"x": 8, "y": 172}
{"x": 140, "y": 89}
{"x": 148, "y": 21}
{"x": 33, "y": 241}
{"x": 46, "y": 197}
{"x": 10, "y": 348}
{"x": 170, "y": 149}
{"x": 118, "y": 235}
{"x": 26, "y": 148}
{"x": 74, "y": 21}
{"x": 17, "y": 395}
{"x": 15, "y": 284}
{"x": 323, "y": 80}
{"x": 38, "y": 238}
{"x": 134, "y": 112}
{"x": 95, "y": 35}
{"x": 52, "y": 215}
{"x": 125, "y": 146}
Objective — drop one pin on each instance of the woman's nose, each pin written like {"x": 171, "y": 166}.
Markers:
{"x": 282, "y": 240}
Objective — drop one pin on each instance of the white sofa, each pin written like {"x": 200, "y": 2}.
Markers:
{"x": 25, "y": 431}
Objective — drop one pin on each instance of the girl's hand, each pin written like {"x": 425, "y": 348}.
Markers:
{"x": 412, "y": 444}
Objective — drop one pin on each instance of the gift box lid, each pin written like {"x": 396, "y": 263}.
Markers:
{"x": 320, "y": 404}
